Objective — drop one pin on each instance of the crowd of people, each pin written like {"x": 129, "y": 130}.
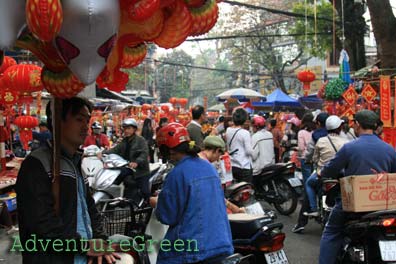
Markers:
{"x": 326, "y": 144}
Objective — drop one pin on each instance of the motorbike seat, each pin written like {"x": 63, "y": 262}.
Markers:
{"x": 235, "y": 187}
{"x": 244, "y": 226}
{"x": 272, "y": 169}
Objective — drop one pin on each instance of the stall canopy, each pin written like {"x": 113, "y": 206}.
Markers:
{"x": 241, "y": 94}
{"x": 278, "y": 100}
{"x": 311, "y": 101}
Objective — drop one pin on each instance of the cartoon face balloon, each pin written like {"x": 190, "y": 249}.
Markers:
{"x": 87, "y": 35}
{"x": 12, "y": 20}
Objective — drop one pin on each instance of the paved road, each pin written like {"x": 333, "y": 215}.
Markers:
{"x": 301, "y": 248}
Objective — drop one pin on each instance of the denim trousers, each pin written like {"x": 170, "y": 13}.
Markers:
{"x": 332, "y": 236}
{"x": 311, "y": 188}
{"x": 306, "y": 170}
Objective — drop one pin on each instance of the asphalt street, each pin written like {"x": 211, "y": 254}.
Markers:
{"x": 300, "y": 248}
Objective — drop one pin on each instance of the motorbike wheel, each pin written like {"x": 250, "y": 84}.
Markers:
{"x": 289, "y": 196}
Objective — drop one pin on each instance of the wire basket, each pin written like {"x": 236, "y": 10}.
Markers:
{"x": 126, "y": 222}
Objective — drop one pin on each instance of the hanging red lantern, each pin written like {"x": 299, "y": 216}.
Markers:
{"x": 183, "y": 102}
{"x": 8, "y": 97}
{"x": 173, "y": 100}
{"x": 26, "y": 123}
{"x": 306, "y": 77}
{"x": 7, "y": 62}
{"x": 25, "y": 78}
{"x": 165, "y": 108}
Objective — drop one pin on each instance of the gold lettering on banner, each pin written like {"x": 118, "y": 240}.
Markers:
{"x": 385, "y": 101}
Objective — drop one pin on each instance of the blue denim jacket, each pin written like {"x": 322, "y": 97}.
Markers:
{"x": 192, "y": 204}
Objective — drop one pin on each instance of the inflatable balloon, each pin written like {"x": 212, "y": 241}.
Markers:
{"x": 12, "y": 20}
{"x": 87, "y": 36}
{"x": 44, "y": 18}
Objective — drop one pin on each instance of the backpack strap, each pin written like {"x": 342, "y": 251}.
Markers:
{"x": 332, "y": 144}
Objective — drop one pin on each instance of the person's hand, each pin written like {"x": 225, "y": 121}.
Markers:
{"x": 99, "y": 155}
{"x": 99, "y": 249}
{"x": 133, "y": 165}
{"x": 153, "y": 201}
{"x": 242, "y": 210}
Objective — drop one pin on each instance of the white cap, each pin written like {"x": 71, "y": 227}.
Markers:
{"x": 333, "y": 122}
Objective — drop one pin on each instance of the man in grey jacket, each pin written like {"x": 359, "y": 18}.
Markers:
{"x": 263, "y": 145}
{"x": 195, "y": 127}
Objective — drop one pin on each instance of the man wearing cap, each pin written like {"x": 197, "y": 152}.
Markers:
{"x": 325, "y": 150}
{"x": 362, "y": 156}
{"x": 134, "y": 148}
{"x": 97, "y": 138}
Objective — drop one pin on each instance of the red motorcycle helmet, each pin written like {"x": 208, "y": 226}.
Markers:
{"x": 258, "y": 121}
{"x": 172, "y": 135}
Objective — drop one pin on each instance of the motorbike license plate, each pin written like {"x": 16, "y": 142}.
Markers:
{"x": 294, "y": 182}
{"x": 254, "y": 209}
{"x": 388, "y": 250}
{"x": 277, "y": 257}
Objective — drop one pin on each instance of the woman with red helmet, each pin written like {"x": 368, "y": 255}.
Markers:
{"x": 191, "y": 202}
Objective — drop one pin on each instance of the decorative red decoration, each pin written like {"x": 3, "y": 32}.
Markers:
{"x": 350, "y": 95}
{"x": 165, "y": 108}
{"x": 7, "y": 62}
{"x": 306, "y": 77}
{"x": 183, "y": 102}
{"x": 173, "y": 100}
{"x": 368, "y": 93}
{"x": 385, "y": 94}
{"x": 204, "y": 17}
{"x": 8, "y": 97}
{"x": 142, "y": 9}
{"x": 24, "y": 78}
{"x": 61, "y": 85}
{"x": 44, "y": 18}
{"x": 146, "y": 107}
{"x": 26, "y": 123}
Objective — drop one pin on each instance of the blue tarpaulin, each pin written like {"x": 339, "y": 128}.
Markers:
{"x": 278, "y": 99}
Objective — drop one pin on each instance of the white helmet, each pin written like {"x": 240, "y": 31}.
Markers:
{"x": 333, "y": 122}
{"x": 129, "y": 122}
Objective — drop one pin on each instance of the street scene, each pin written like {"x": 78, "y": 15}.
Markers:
{"x": 197, "y": 131}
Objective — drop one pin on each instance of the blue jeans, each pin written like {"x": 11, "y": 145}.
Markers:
{"x": 332, "y": 237}
{"x": 311, "y": 186}
{"x": 306, "y": 170}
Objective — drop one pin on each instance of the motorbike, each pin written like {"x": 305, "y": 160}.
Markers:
{"x": 369, "y": 238}
{"x": 277, "y": 185}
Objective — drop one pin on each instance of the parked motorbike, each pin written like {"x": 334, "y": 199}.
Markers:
{"x": 277, "y": 185}
{"x": 370, "y": 238}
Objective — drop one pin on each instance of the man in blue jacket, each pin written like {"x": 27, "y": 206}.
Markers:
{"x": 359, "y": 157}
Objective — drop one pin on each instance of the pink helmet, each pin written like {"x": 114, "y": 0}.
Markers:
{"x": 258, "y": 121}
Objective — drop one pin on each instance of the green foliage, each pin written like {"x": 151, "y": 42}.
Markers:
{"x": 334, "y": 89}
{"x": 323, "y": 42}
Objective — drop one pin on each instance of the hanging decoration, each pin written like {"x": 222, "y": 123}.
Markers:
{"x": 7, "y": 62}
{"x": 334, "y": 89}
{"x": 26, "y": 124}
{"x": 385, "y": 94}
{"x": 350, "y": 95}
{"x": 306, "y": 77}
{"x": 368, "y": 93}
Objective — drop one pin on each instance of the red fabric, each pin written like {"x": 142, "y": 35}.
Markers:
{"x": 91, "y": 140}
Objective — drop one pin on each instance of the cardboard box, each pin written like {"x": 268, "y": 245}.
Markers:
{"x": 366, "y": 193}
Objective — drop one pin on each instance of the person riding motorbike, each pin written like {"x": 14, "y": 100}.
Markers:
{"x": 191, "y": 202}
{"x": 263, "y": 145}
{"x": 97, "y": 138}
{"x": 134, "y": 149}
{"x": 362, "y": 156}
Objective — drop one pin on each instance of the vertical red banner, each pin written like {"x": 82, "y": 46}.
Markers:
{"x": 385, "y": 97}
{"x": 394, "y": 107}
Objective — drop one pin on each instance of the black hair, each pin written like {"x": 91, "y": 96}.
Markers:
{"x": 162, "y": 121}
{"x": 307, "y": 122}
{"x": 379, "y": 123}
{"x": 221, "y": 119}
{"x": 273, "y": 122}
{"x": 335, "y": 131}
{"x": 70, "y": 105}
{"x": 197, "y": 111}
{"x": 147, "y": 130}
{"x": 43, "y": 124}
{"x": 184, "y": 147}
{"x": 239, "y": 117}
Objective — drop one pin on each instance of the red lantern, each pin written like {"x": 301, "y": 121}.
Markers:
{"x": 183, "y": 102}
{"x": 26, "y": 123}
{"x": 165, "y": 108}
{"x": 63, "y": 84}
{"x": 8, "y": 97}
{"x": 146, "y": 107}
{"x": 7, "y": 62}
{"x": 25, "y": 78}
{"x": 173, "y": 100}
{"x": 306, "y": 77}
